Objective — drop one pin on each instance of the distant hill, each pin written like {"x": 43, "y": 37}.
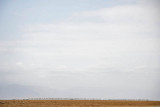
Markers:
{"x": 16, "y": 91}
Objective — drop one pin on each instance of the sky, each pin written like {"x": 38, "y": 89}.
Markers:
{"x": 80, "y": 49}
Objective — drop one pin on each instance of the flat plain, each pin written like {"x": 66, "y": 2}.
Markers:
{"x": 78, "y": 103}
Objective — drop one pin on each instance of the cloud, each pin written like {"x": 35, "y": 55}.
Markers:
{"x": 87, "y": 37}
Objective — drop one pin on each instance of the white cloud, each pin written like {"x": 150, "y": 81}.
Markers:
{"x": 91, "y": 36}
{"x": 87, "y": 38}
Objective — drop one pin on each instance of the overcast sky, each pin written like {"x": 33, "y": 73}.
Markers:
{"x": 80, "y": 48}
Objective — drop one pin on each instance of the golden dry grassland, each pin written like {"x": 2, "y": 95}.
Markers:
{"x": 77, "y": 103}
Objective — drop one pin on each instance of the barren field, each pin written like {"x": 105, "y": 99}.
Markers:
{"x": 77, "y": 103}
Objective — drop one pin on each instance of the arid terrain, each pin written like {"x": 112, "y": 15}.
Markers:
{"x": 77, "y": 103}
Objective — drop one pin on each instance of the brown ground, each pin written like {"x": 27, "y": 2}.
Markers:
{"x": 77, "y": 103}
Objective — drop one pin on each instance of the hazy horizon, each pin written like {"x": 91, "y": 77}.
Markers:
{"x": 80, "y": 49}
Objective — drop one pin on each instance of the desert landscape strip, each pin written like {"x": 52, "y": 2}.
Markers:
{"x": 77, "y": 103}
